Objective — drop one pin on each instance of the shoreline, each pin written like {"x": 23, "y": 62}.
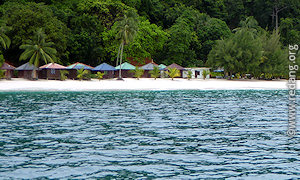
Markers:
{"x": 19, "y": 84}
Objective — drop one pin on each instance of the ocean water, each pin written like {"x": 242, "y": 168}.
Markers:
{"x": 147, "y": 135}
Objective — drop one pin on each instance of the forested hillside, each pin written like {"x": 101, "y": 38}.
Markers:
{"x": 180, "y": 31}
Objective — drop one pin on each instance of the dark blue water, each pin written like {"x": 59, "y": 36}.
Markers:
{"x": 147, "y": 134}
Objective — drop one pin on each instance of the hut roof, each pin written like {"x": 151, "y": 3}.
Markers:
{"x": 104, "y": 67}
{"x": 52, "y": 66}
{"x": 149, "y": 66}
{"x": 26, "y": 67}
{"x": 126, "y": 66}
{"x": 7, "y": 66}
{"x": 174, "y": 65}
{"x": 79, "y": 65}
{"x": 162, "y": 66}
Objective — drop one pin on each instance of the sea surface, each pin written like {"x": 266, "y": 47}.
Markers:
{"x": 147, "y": 135}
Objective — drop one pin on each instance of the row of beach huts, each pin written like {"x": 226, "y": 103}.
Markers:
{"x": 52, "y": 70}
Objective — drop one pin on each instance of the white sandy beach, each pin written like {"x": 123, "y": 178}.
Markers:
{"x": 17, "y": 84}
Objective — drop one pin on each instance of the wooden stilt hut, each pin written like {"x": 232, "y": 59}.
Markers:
{"x": 26, "y": 70}
{"x": 174, "y": 65}
{"x": 9, "y": 70}
{"x": 76, "y": 66}
{"x": 148, "y": 67}
{"x": 51, "y": 71}
{"x": 125, "y": 67}
{"x": 108, "y": 70}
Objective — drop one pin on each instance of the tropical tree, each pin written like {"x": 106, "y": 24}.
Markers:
{"x": 127, "y": 28}
{"x": 155, "y": 73}
{"x": 274, "y": 59}
{"x": 138, "y": 72}
{"x": 173, "y": 72}
{"x": 239, "y": 53}
{"x": 63, "y": 74}
{"x": 82, "y": 73}
{"x": 38, "y": 49}
{"x": 100, "y": 75}
{"x": 189, "y": 74}
{"x": 2, "y": 73}
{"x": 4, "y": 39}
{"x": 204, "y": 74}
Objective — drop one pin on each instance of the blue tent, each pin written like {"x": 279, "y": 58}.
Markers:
{"x": 104, "y": 67}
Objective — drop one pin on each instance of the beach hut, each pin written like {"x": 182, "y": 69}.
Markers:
{"x": 126, "y": 67}
{"x": 9, "y": 70}
{"x": 197, "y": 72}
{"x": 26, "y": 70}
{"x": 174, "y": 65}
{"x": 162, "y": 72}
{"x": 76, "y": 66}
{"x": 50, "y": 71}
{"x": 148, "y": 67}
{"x": 107, "y": 69}
{"x": 162, "y": 66}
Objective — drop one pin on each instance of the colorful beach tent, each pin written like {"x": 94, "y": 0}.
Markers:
{"x": 126, "y": 66}
{"x": 79, "y": 65}
{"x": 52, "y": 66}
{"x": 149, "y": 66}
{"x": 104, "y": 67}
{"x": 174, "y": 65}
{"x": 162, "y": 66}
{"x": 26, "y": 67}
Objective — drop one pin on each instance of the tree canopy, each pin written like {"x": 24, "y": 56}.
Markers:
{"x": 186, "y": 32}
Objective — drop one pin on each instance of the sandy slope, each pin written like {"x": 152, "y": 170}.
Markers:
{"x": 17, "y": 84}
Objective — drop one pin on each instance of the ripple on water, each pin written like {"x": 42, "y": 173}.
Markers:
{"x": 147, "y": 134}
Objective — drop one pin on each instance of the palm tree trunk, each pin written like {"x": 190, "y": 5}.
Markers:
{"x": 34, "y": 74}
{"x": 118, "y": 54}
{"x": 120, "y": 70}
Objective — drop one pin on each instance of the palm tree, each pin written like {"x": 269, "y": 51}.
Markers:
{"x": 100, "y": 75}
{"x": 127, "y": 28}
{"x": 37, "y": 49}
{"x": 204, "y": 74}
{"x": 2, "y": 73}
{"x": 173, "y": 72}
{"x": 4, "y": 39}
{"x": 155, "y": 73}
{"x": 138, "y": 72}
{"x": 189, "y": 74}
{"x": 82, "y": 73}
{"x": 63, "y": 74}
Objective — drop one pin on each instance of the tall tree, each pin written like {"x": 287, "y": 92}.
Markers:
{"x": 4, "y": 39}
{"x": 24, "y": 19}
{"x": 127, "y": 28}
{"x": 38, "y": 49}
{"x": 241, "y": 52}
{"x": 274, "y": 59}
